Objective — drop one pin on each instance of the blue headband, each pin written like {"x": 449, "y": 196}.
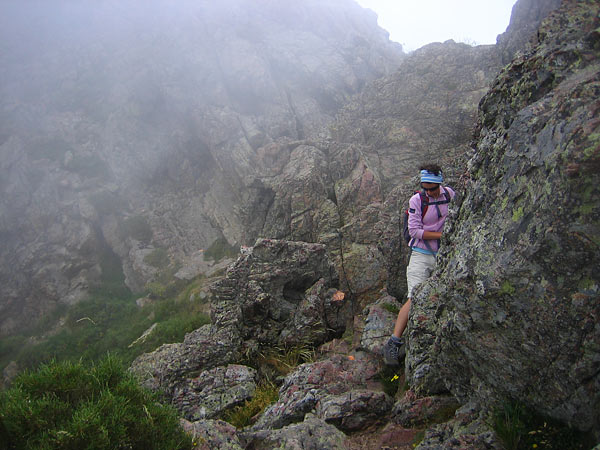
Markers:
{"x": 428, "y": 177}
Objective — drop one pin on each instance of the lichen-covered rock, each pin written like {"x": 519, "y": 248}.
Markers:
{"x": 513, "y": 312}
{"x": 202, "y": 349}
{"x": 312, "y": 434}
{"x": 278, "y": 293}
{"x": 212, "y": 434}
{"x": 380, "y": 318}
{"x": 312, "y": 383}
{"x": 355, "y": 410}
{"x": 414, "y": 411}
{"x": 467, "y": 430}
{"x": 214, "y": 391}
{"x": 281, "y": 293}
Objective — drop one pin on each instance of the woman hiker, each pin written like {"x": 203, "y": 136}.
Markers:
{"x": 427, "y": 213}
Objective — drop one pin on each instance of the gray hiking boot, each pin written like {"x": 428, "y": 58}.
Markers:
{"x": 393, "y": 350}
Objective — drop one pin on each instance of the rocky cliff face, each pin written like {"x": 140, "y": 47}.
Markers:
{"x": 224, "y": 133}
{"x": 513, "y": 312}
{"x": 524, "y": 21}
{"x": 98, "y": 154}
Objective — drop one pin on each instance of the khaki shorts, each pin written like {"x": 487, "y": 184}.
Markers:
{"x": 419, "y": 269}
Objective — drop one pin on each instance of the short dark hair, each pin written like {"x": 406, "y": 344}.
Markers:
{"x": 431, "y": 168}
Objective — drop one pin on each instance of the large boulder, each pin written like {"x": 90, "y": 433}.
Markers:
{"x": 211, "y": 434}
{"x": 312, "y": 434}
{"x": 280, "y": 293}
{"x": 173, "y": 364}
{"x": 327, "y": 387}
{"x": 513, "y": 311}
{"x": 213, "y": 392}
{"x": 277, "y": 294}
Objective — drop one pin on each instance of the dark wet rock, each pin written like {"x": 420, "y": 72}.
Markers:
{"x": 412, "y": 411}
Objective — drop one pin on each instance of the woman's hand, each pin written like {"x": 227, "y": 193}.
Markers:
{"x": 432, "y": 235}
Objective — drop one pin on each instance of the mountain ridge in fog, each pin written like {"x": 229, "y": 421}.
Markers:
{"x": 110, "y": 110}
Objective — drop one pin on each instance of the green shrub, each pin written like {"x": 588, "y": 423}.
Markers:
{"x": 175, "y": 329}
{"x": 8, "y": 347}
{"x": 391, "y": 308}
{"x": 156, "y": 289}
{"x": 220, "y": 249}
{"x": 71, "y": 406}
{"x": 165, "y": 286}
{"x": 194, "y": 288}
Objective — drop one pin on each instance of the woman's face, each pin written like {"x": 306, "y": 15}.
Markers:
{"x": 433, "y": 189}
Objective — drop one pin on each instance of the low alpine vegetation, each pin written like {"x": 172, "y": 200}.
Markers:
{"x": 521, "y": 428}
{"x": 71, "y": 406}
{"x": 244, "y": 415}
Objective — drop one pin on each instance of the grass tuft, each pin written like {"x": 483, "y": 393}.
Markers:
{"x": 279, "y": 361}
{"x": 519, "y": 427}
{"x": 246, "y": 414}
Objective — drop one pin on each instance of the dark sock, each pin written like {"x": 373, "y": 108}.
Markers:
{"x": 396, "y": 340}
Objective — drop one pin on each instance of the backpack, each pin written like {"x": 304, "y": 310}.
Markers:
{"x": 424, "y": 206}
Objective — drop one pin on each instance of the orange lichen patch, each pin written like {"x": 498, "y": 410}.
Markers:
{"x": 351, "y": 358}
{"x": 338, "y": 296}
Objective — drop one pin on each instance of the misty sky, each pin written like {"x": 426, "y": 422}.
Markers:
{"x": 414, "y": 23}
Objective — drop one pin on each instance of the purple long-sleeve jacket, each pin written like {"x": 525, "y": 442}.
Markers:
{"x": 431, "y": 222}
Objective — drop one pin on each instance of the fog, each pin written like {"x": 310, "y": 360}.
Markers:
{"x": 123, "y": 71}
{"x": 164, "y": 110}
{"x": 135, "y": 75}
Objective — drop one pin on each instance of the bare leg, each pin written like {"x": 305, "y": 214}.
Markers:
{"x": 402, "y": 319}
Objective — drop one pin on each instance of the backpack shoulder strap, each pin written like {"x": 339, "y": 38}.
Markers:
{"x": 446, "y": 194}
{"x": 447, "y": 199}
{"x": 424, "y": 203}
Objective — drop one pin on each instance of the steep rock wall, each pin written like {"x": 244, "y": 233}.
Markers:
{"x": 513, "y": 313}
